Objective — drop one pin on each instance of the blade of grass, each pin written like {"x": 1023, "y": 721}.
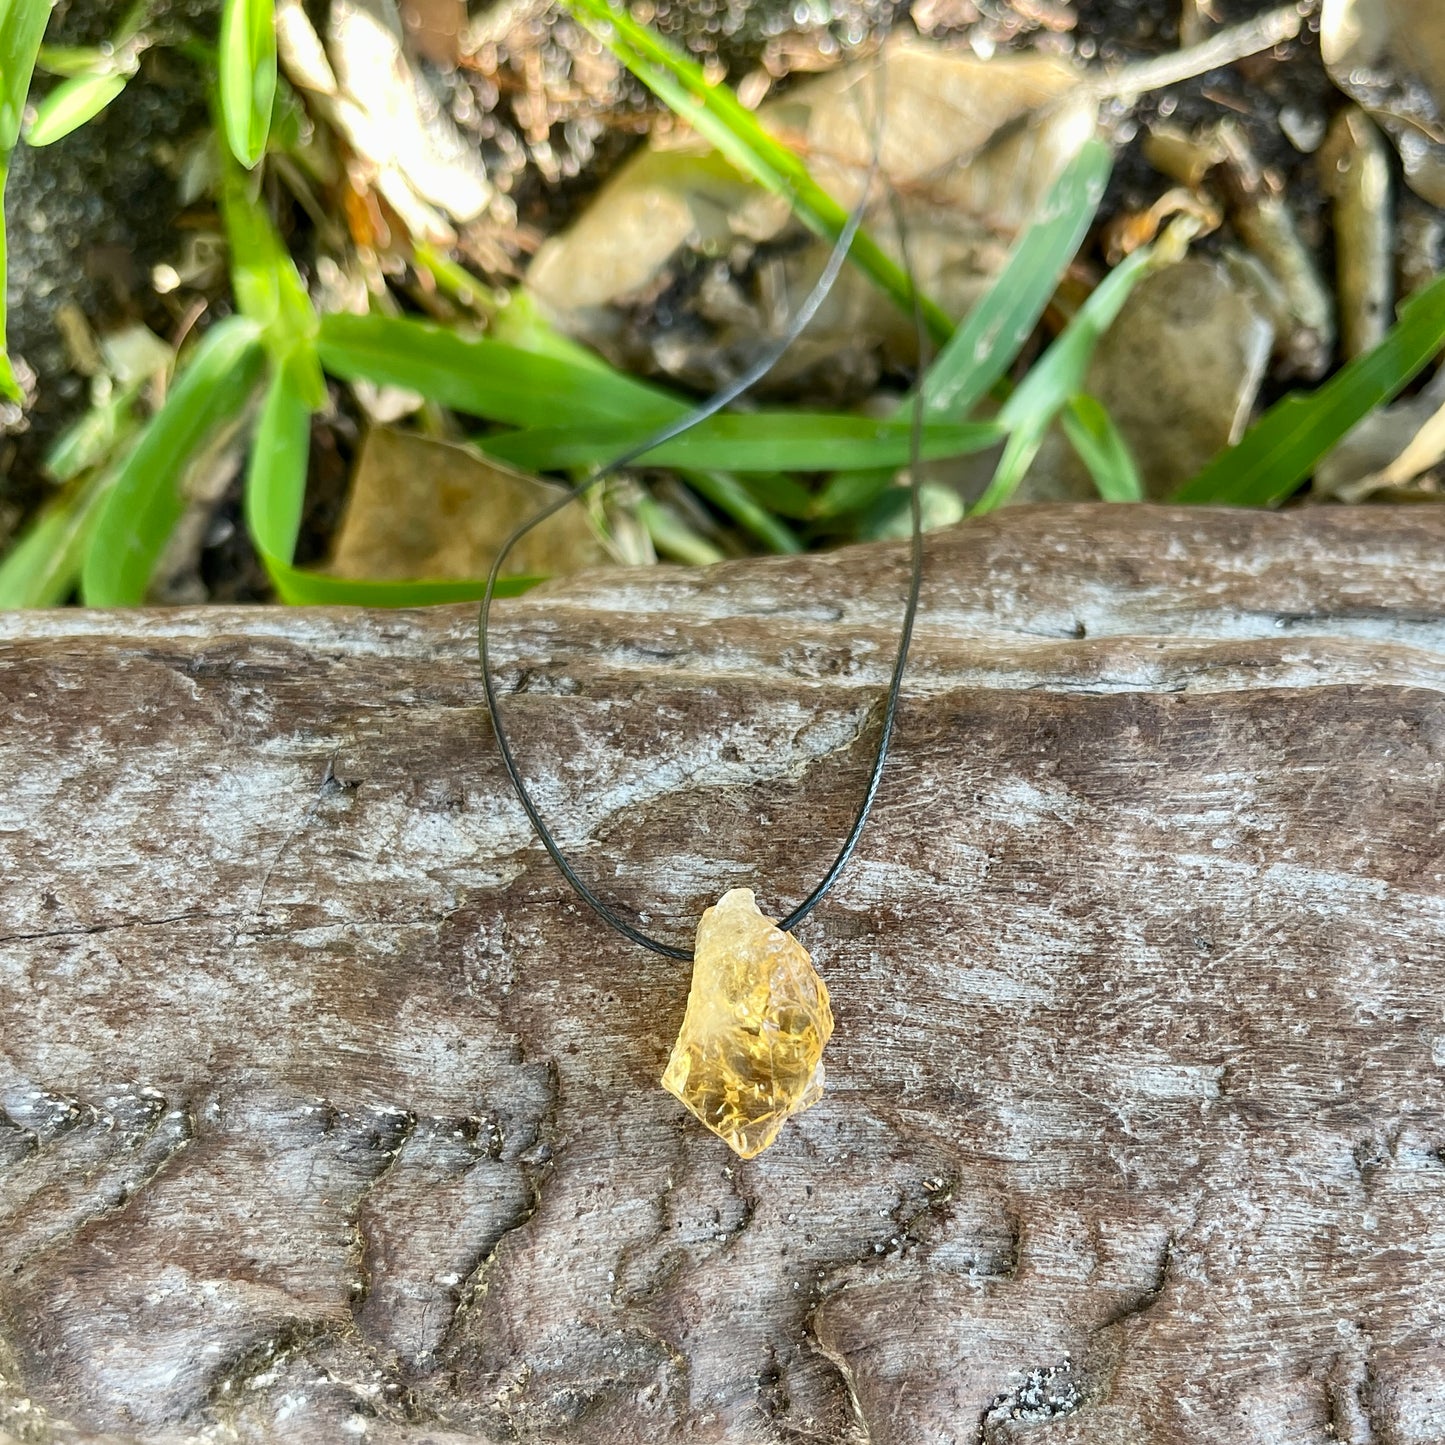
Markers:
{"x": 1286, "y": 444}
{"x": 483, "y": 377}
{"x": 673, "y": 537}
{"x": 70, "y": 60}
{"x": 717, "y": 115}
{"x": 752, "y": 502}
{"x": 269, "y": 289}
{"x": 142, "y": 508}
{"x": 276, "y": 475}
{"x": 247, "y": 76}
{"x": 457, "y": 282}
{"x": 519, "y": 322}
{"x": 275, "y": 497}
{"x": 71, "y": 103}
{"x": 1059, "y": 374}
{"x": 95, "y": 436}
{"x": 548, "y": 383}
{"x": 42, "y": 567}
{"x": 985, "y": 345}
{"x": 731, "y": 496}
{"x": 749, "y": 441}
{"x": 1102, "y": 449}
{"x": 22, "y": 24}
{"x": 96, "y": 76}
{"x": 8, "y": 385}
{"x": 780, "y": 495}
{"x": 304, "y": 588}
{"x": 987, "y": 342}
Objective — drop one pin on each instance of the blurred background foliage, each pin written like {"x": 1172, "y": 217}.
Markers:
{"x": 316, "y": 301}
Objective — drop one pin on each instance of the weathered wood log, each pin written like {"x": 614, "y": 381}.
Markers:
{"x": 329, "y": 1113}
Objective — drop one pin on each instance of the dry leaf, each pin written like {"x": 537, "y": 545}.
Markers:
{"x": 428, "y": 509}
{"x": 435, "y": 28}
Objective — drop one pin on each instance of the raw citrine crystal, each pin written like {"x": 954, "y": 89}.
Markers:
{"x": 749, "y": 1053}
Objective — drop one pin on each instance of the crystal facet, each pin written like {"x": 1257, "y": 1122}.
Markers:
{"x": 748, "y": 1055}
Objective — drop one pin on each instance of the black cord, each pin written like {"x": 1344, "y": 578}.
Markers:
{"x": 711, "y": 407}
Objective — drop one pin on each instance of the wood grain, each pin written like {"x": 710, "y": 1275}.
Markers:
{"x": 328, "y": 1114}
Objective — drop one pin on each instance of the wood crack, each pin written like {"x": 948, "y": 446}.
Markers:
{"x": 90, "y": 930}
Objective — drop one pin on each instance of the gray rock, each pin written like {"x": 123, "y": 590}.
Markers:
{"x": 1178, "y": 371}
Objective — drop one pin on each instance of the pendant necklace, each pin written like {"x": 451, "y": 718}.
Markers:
{"x": 748, "y": 1055}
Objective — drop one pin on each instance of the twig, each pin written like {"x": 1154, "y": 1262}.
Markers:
{"x": 1251, "y": 37}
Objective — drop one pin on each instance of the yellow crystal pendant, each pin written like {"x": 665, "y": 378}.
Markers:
{"x": 749, "y": 1053}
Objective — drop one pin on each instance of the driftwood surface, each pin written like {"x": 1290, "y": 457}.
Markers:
{"x": 329, "y": 1114}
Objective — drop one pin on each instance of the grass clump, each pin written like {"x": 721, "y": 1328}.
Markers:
{"x": 786, "y": 479}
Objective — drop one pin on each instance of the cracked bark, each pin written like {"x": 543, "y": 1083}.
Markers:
{"x": 325, "y": 1110}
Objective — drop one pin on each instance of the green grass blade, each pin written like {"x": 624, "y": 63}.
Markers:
{"x": 673, "y": 538}
{"x": 520, "y": 323}
{"x": 133, "y": 22}
{"x": 1102, "y": 449}
{"x": 70, "y": 60}
{"x": 1060, "y": 372}
{"x": 549, "y": 385}
{"x": 852, "y": 491}
{"x": 749, "y": 441}
{"x": 269, "y": 289}
{"x": 717, "y": 115}
{"x": 300, "y": 587}
{"x": 459, "y": 284}
{"x": 22, "y": 24}
{"x": 70, "y": 104}
{"x": 781, "y": 495}
{"x": 985, "y": 345}
{"x": 754, "y": 502}
{"x": 729, "y": 495}
{"x": 276, "y": 473}
{"x": 247, "y": 76}
{"x": 42, "y": 567}
{"x": 95, "y": 436}
{"x": 486, "y": 378}
{"x": 988, "y": 340}
{"x": 1283, "y": 448}
{"x": 1058, "y": 376}
{"x": 1019, "y": 452}
{"x": 275, "y": 496}
{"x": 143, "y": 507}
{"x": 8, "y": 385}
